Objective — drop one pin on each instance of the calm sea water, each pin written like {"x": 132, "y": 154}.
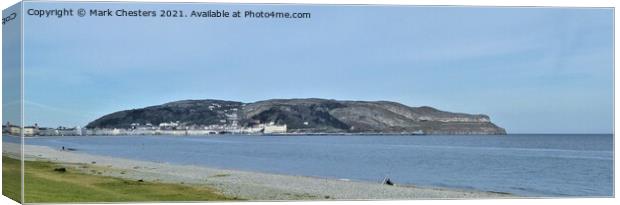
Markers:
{"x": 528, "y": 165}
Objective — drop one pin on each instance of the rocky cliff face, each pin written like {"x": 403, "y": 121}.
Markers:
{"x": 308, "y": 116}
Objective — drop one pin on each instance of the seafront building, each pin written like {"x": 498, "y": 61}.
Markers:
{"x": 11, "y": 129}
{"x": 35, "y": 130}
{"x": 30, "y": 130}
{"x": 166, "y": 128}
{"x": 177, "y": 128}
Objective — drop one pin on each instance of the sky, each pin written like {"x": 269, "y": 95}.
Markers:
{"x": 11, "y": 75}
{"x": 532, "y": 70}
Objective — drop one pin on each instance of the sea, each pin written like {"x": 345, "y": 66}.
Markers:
{"x": 530, "y": 165}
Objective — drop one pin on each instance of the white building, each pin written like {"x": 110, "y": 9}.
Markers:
{"x": 273, "y": 128}
{"x": 31, "y": 131}
{"x": 48, "y": 132}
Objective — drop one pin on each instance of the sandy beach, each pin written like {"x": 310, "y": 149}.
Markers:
{"x": 241, "y": 184}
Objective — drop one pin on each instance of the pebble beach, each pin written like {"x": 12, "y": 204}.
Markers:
{"x": 246, "y": 185}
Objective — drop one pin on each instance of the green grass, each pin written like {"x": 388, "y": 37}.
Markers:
{"x": 11, "y": 178}
{"x": 43, "y": 184}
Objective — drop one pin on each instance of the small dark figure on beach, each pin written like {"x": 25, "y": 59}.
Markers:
{"x": 63, "y": 148}
{"x": 387, "y": 181}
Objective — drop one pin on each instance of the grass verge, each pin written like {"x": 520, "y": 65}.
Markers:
{"x": 44, "y": 184}
{"x": 11, "y": 178}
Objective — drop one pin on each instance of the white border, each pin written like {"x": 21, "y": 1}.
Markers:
{"x": 556, "y": 3}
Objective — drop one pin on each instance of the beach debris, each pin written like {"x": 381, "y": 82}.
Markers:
{"x": 140, "y": 180}
{"x": 60, "y": 169}
{"x": 63, "y": 148}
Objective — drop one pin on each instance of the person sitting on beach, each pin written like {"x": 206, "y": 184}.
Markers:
{"x": 388, "y": 182}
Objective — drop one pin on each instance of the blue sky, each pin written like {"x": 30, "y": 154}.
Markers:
{"x": 532, "y": 70}
{"x": 11, "y": 76}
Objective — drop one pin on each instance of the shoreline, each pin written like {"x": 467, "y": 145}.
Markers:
{"x": 243, "y": 184}
{"x": 276, "y": 134}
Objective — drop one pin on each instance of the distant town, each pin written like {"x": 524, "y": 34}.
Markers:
{"x": 311, "y": 116}
{"x": 166, "y": 128}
